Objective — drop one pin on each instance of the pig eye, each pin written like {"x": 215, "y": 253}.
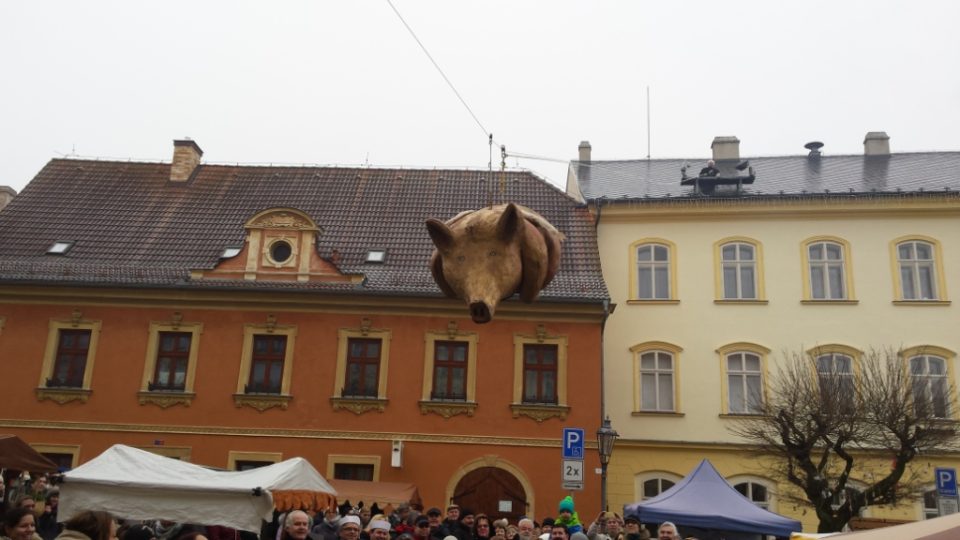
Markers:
{"x": 492, "y": 254}
{"x": 461, "y": 258}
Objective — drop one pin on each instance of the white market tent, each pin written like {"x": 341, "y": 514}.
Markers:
{"x": 941, "y": 528}
{"x": 136, "y": 484}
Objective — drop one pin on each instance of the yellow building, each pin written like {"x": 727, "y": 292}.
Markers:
{"x": 717, "y": 277}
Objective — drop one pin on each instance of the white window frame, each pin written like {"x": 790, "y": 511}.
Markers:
{"x": 927, "y": 380}
{"x": 743, "y": 375}
{"x": 824, "y": 265}
{"x": 640, "y": 479}
{"x": 739, "y": 265}
{"x": 659, "y": 348}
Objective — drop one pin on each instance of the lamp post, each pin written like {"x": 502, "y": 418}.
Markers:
{"x": 606, "y": 437}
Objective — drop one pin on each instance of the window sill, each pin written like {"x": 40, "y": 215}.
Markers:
{"x": 921, "y": 302}
{"x": 262, "y": 402}
{"x": 832, "y": 302}
{"x": 740, "y": 416}
{"x": 539, "y": 412}
{"x": 166, "y": 398}
{"x": 447, "y": 409}
{"x": 63, "y": 395}
{"x": 359, "y": 405}
{"x": 652, "y": 302}
{"x": 746, "y": 301}
{"x": 658, "y": 413}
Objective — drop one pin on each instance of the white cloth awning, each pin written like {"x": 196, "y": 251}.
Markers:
{"x": 136, "y": 484}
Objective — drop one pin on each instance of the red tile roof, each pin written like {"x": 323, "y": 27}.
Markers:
{"x": 133, "y": 227}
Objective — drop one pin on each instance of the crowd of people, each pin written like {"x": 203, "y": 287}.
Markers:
{"x": 33, "y": 516}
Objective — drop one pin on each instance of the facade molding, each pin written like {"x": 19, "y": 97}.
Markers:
{"x": 286, "y": 433}
{"x": 448, "y": 409}
{"x": 296, "y": 301}
{"x": 632, "y": 211}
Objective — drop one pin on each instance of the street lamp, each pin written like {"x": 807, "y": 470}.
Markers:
{"x": 606, "y": 436}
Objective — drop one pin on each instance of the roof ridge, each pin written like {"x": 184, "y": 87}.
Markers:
{"x": 759, "y": 156}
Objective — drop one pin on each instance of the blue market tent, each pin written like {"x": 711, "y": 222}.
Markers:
{"x": 704, "y": 500}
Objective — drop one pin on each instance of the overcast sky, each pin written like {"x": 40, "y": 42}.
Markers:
{"x": 343, "y": 82}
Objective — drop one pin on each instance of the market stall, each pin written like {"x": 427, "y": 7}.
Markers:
{"x": 704, "y": 501}
{"x": 136, "y": 484}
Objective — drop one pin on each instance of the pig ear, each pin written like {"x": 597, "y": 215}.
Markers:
{"x": 440, "y": 233}
{"x": 508, "y": 226}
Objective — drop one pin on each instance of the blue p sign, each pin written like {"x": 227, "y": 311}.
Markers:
{"x": 946, "y": 481}
{"x": 572, "y": 443}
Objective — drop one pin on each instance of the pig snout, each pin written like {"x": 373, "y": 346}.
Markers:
{"x": 480, "y": 312}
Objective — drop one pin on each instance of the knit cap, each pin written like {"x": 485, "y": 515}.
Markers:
{"x": 566, "y": 505}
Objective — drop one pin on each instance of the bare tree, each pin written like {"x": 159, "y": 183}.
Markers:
{"x": 824, "y": 423}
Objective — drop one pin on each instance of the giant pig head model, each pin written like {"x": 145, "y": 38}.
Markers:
{"x": 485, "y": 256}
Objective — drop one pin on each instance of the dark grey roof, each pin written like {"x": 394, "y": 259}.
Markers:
{"x": 132, "y": 227}
{"x": 781, "y": 175}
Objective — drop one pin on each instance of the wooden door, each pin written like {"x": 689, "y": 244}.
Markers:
{"x": 484, "y": 490}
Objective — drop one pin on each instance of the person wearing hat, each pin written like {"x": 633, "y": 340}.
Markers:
{"x": 421, "y": 529}
{"x": 467, "y": 519}
{"x": 631, "y": 525}
{"x": 568, "y": 517}
{"x": 379, "y": 529}
{"x": 452, "y": 526}
{"x": 545, "y": 528}
{"x": 433, "y": 515}
{"x": 349, "y": 527}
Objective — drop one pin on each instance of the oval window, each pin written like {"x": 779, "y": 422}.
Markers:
{"x": 280, "y": 251}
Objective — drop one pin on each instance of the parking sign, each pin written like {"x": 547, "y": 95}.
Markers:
{"x": 572, "y": 443}
{"x": 946, "y": 479}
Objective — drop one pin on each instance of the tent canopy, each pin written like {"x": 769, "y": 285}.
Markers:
{"x": 703, "y": 499}
{"x": 382, "y": 493}
{"x": 19, "y": 456}
{"x": 941, "y": 528}
{"x": 136, "y": 484}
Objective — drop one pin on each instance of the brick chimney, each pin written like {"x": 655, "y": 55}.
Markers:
{"x": 186, "y": 157}
{"x": 876, "y": 143}
{"x": 726, "y": 148}
{"x": 585, "y": 151}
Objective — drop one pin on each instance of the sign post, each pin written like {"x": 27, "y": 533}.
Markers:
{"x": 946, "y": 480}
{"x": 571, "y": 472}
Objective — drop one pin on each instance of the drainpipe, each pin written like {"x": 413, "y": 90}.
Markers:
{"x": 603, "y": 325}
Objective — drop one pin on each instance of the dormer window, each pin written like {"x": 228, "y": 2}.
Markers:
{"x": 279, "y": 244}
{"x": 376, "y": 256}
{"x": 60, "y": 247}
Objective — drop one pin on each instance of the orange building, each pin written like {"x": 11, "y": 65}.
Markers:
{"x": 236, "y": 315}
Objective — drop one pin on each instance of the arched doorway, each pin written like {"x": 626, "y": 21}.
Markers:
{"x": 492, "y": 491}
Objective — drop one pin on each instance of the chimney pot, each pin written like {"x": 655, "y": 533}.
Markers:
{"x": 585, "y": 149}
{"x": 876, "y": 143}
{"x": 186, "y": 157}
{"x": 726, "y": 148}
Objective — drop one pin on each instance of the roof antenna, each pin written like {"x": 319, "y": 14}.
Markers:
{"x": 490, "y": 171}
{"x": 648, "y": 121}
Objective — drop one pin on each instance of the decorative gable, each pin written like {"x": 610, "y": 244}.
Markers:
{"x": 279, "y": 246}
